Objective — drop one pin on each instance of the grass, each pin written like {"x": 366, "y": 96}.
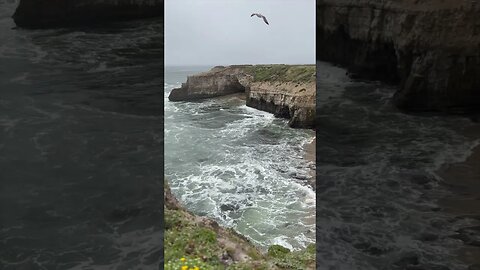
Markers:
{"x": 284, "y": 259}
{"x": 184, "y": 239}
{"x": 193, "y": 245}
{"x": 282, "y": 73}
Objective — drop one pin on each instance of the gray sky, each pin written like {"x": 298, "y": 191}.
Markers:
{"x": 221, "y": 32}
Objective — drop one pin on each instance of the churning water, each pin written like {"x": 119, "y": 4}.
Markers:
{"x": 241, "y": 166}
{"x": 80, "y": 146}
{"x": 376, "y": 181}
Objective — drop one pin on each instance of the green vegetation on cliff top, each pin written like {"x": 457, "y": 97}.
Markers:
{"x": 191, "y": 244}
{"x": 283, "y": 73}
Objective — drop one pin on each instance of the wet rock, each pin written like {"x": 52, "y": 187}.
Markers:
{"x": 299, "y": 176}
{"x": 262, "y": 190}
{"x": 59, "y": 13}
{"x": 170, "y": 201}
{"x": 429, "y": 48}
{"x": 286, "y": 99}
{"x": 229, "y": 207}
{"x": 283, "y": 101}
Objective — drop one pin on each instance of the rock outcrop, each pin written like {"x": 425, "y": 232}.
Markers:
{"x": 219, "y": 81}
{"x": 286, "y": 91}
{"x": 431, "y": 48}
{"x": 58, "y": 13}
{"x": 288, "y": 100}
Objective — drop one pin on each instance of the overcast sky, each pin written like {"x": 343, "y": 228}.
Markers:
{"x": 221, "y": 32}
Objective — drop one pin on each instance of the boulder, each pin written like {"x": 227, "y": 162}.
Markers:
{"x": 60, "y": 13}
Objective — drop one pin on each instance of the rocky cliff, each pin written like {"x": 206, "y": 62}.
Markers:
{"x": 288, "y": 100}
{"x": 286, "y": 91}
{"x": 55, "y": 13}
{"x": 430, "y": 48}
{"x": 219, "y": 81}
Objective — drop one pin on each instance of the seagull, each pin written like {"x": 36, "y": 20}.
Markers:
{"x": 260, "y": 16}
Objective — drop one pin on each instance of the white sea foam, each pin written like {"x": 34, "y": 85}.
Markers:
{"x": 235, "y": 164}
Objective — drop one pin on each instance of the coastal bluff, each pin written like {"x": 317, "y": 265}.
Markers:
{"x": 60, "y": 13}
{"x": 204, "y": 242}
{"x": 287, "y": 91}
{"x": 429, "y": 48}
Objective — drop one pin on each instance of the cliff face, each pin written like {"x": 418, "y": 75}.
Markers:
{"x": 288, "y": 100}
{"x": 286, "y": 91}
{"x": 431, "y": 48}
{"x": 219, "y": 81}
{"x": 56, "y": 13}
{"x": 204, "y": 243}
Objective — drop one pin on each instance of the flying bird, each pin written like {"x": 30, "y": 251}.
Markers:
{"x": 260, "y": 16}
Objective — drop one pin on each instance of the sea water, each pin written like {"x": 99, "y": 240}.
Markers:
{"x": 242, "y": 167}
{"x": 377, "y": 186}
{"x": 80, "y": 145}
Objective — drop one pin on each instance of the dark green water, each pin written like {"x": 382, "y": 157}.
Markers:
{"x": 80, "y": 146}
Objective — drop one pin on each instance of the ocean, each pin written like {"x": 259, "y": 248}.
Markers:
{"x": 378, "y": 185}
{"x": 81, "y": 145}
{"x": 240, "y": 166}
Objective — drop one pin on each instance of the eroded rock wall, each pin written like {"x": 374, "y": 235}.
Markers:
{"x": 200, "y": 87}
{"x": 59, "y": 13}
{"x": 288, "y": 100}
{"x": 430, "y": 48}
{"x": 291, "y": 100}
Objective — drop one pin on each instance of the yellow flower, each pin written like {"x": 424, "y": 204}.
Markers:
{"x": 196, "y": 268}
{"x": 185, "y": 267}
{"x": 183, "y": 259}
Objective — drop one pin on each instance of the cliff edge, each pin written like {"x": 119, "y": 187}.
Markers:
{"x": 430, "y": 48}
{"x": 59, "y": 13}
{"x": 287, "y": 91}
{"x": 196, "y": 241}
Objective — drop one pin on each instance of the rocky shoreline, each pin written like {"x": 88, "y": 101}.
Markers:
{"x": 287, "y": 91}
{"x": 51, "y": 14}
{"x": 429, "y": 48}
{"x": 191, "y": 239}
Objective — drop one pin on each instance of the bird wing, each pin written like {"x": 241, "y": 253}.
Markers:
{"x": 252, "y": 14}
{"x": 265, "y": 20}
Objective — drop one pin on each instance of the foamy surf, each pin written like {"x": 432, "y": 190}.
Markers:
{"x": 238, "y": 165}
